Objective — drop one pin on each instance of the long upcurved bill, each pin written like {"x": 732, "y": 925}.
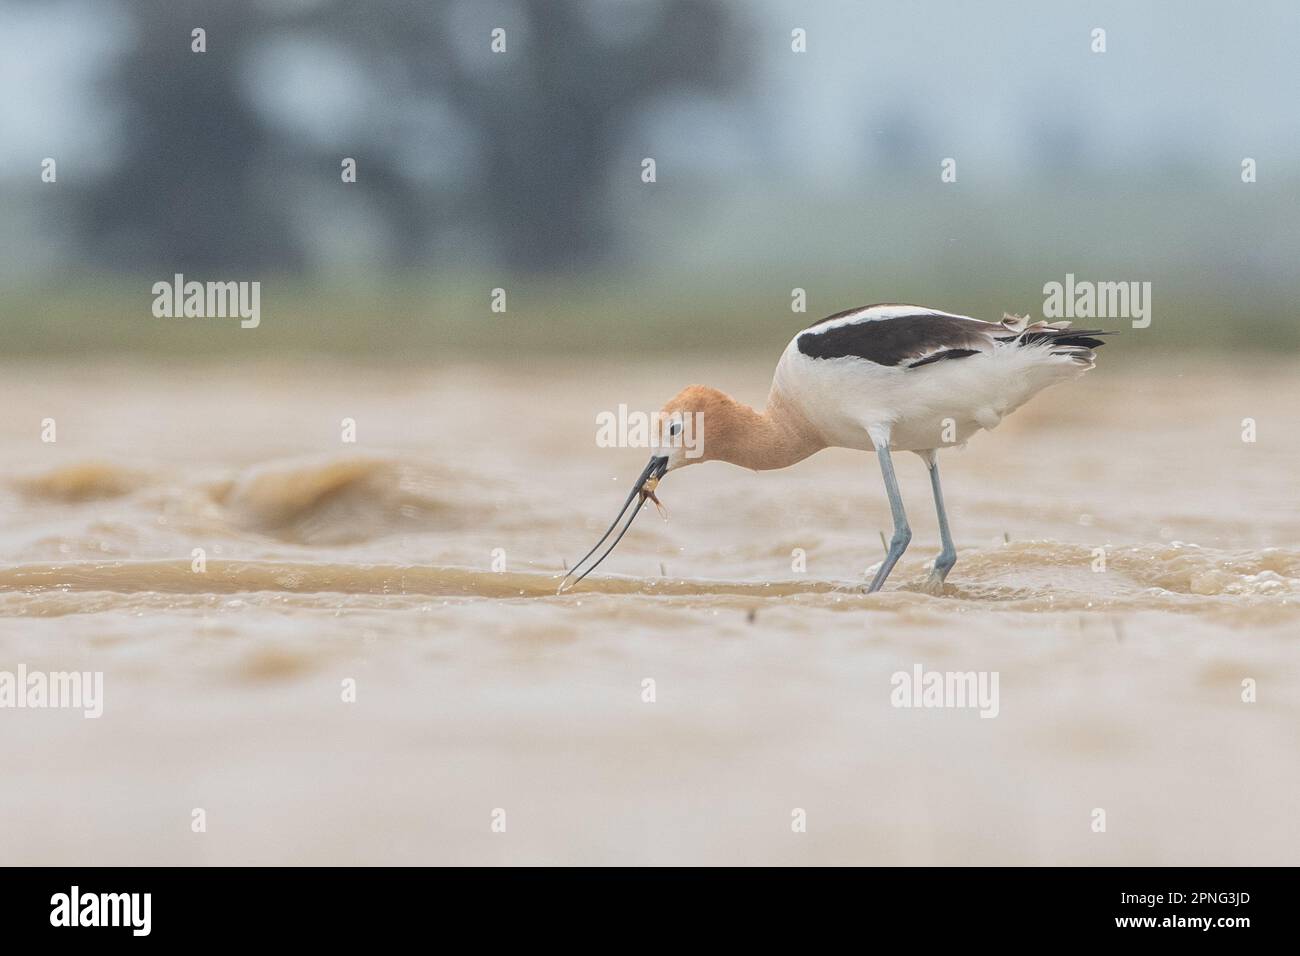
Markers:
{"x": 652, "y": 473}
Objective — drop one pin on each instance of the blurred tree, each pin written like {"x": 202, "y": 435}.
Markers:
{"x": 552, "y": 130}
{"x": 201, "y": 183}
{"x": 183, "y": 195}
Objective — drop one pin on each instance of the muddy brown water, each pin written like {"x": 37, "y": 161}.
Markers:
{"x": 479, "y": 689}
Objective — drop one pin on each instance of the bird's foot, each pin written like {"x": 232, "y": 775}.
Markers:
{"x": 934, "y": 584}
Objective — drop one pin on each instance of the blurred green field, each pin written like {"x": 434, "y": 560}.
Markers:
{"x": 416, "y": 319}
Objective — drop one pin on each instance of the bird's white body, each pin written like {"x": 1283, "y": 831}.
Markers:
{"x": 849, "y": 400}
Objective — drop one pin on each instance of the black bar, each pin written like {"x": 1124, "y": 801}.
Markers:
{"x": 332, "y": 906}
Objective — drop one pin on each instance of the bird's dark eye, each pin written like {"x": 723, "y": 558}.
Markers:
{"x": 675, "y": 429}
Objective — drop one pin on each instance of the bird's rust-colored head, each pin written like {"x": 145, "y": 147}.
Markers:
{"x": 677, "y": 439}
{"x": 688, "y": 423}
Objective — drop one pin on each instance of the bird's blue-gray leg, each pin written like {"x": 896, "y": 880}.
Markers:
{"x": 948, "y": 555}
{"x": 902, "y": 533}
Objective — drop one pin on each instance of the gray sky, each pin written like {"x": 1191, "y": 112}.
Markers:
{"x": 1203, "y": 81}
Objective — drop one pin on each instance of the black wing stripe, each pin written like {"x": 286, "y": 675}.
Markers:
{"x": 1081, "y": 337}
{"x": 892, "y": 342}
{"x": 942, "y": 356}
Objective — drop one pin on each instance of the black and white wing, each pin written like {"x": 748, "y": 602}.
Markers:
{"x": 913, "y": 336}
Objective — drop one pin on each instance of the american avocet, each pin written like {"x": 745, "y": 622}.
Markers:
{"x": 881, "y": 378}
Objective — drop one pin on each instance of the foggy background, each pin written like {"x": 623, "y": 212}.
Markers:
{"x": 775, "y": 170}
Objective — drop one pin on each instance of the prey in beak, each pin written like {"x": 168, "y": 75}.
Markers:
{"x": 642, "y": 491}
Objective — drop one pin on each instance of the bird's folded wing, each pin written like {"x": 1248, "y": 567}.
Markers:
{"x": 914, "y": 337}
{"x": 907, "y": 340}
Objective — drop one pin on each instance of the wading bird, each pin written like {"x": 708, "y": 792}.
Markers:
{"x": 881, "y": 378}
